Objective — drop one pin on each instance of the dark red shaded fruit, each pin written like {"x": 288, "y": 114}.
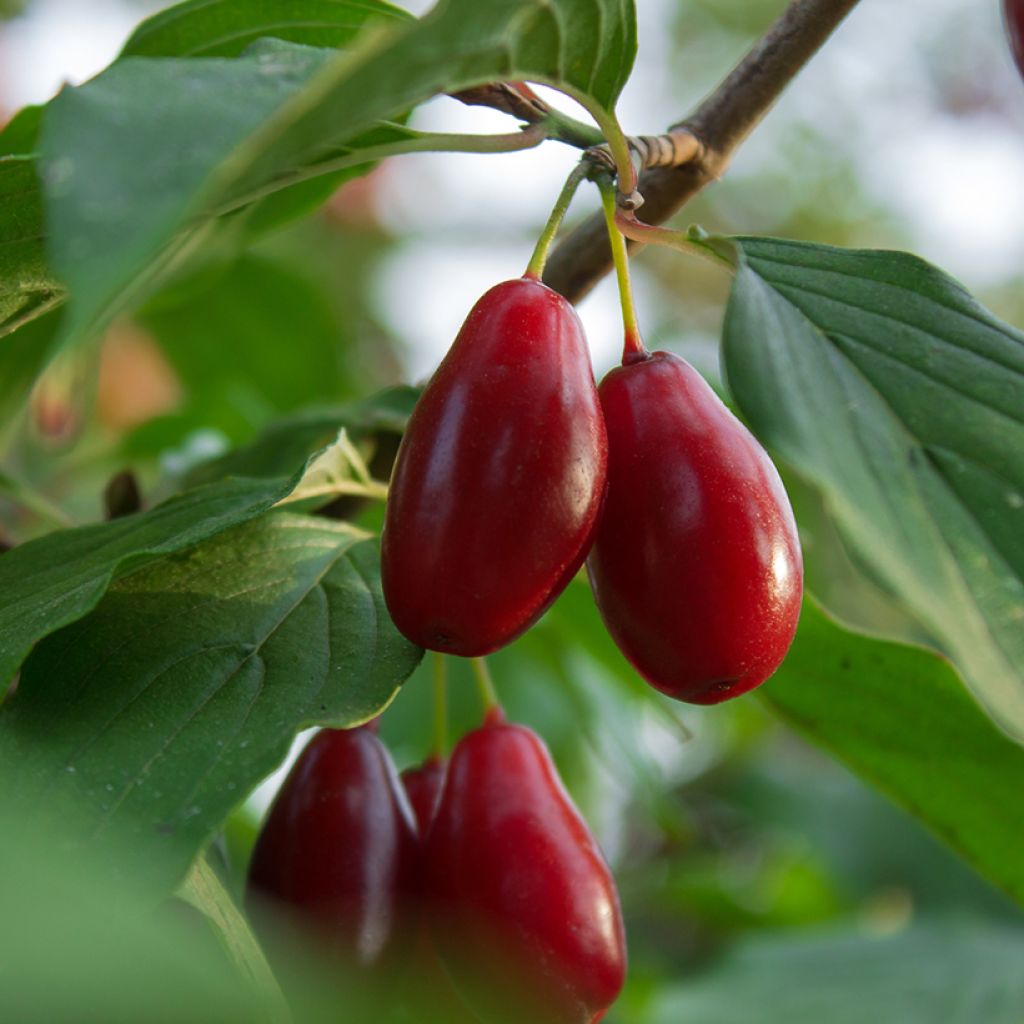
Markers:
{"x": 427, "y": 989}
{"x": 523, "y": 907}
{"x": 499, "y": 478}
{"x": 423, "y": 787}
{"x": 1014, "y": 13}
{"x": 339, "y": 851}
{"x": 696, "y": 567}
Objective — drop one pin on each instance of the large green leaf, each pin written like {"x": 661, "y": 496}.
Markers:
{"x": 139, "y": 160}
{"x": 57, "y": 579}
{"x": 224, "y": 28}
{"x": 900, "y": 718}
{"x": 883, "y": 382}
{"x": 156, "y": 715}
{"x": 936, "y": 973}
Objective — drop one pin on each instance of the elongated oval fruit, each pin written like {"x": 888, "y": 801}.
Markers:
{"x": 339, "y": 853}
{"x": 523, "y": 908}
{"x": 499, "y": 479}
{"x": 696, "y": 567}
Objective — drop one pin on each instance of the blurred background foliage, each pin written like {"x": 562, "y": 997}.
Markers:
{"x": 760, "y": 880}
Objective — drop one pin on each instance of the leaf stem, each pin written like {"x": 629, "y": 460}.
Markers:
{"x": 535, "y": 268}
{"x": 440, "y": 740}
{"x": 633, "y": 348}
{"x": 485, "y": 685}
{"x": 419, "y": 142}
{"x": 647, "y": 234}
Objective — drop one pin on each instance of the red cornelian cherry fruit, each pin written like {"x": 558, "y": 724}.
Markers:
{"x": 339, "y": 851}
{"x": 499, "y": 479}
{"x": 1013, "y": 10}
{"x": 522, "y": 906}
{"x": 696, "y": 567}
{"x": 427, "y": 987}
{"x": 423, "y": 787}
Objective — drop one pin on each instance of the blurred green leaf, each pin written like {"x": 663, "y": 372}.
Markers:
{"x": 289, "y": 440}
{"x": 901, "y": 719}
{"x": 157, "y": 714}
{"x": 224, "y": 28}
{"x": 881, "y": 380}
{"x": 27, "y": 287}
{"x": 939, "y": 972}
{"x": 203, "y": 889}
{"x": 23, "y": 355}
{"x": 76, "y": 945}
{"x": 250, "y": 341}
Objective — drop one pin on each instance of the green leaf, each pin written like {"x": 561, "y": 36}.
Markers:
{"x": 224, "y": 28}
{"x": 27, "y": 287}
{"x": 249, "y": 342}
{"x": 57, "y": 579}
{"x": 203, "y": 889}
{"x": 73, "y": 938}
{"x": 141, "y": 159}
{"x": 23, "y": 355}
{"x": 880, "y": 380}
{"x": 289, "y": 440}
{"x": 158, "y": 713}
{"x": 899, "y": 717}
{"x": 938, "y": 971}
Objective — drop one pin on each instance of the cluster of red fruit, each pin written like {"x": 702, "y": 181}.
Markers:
{"x": 483, "y": 866}
{"x": 515, "y": 468}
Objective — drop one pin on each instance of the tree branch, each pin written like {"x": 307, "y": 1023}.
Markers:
{"x": 722, "y": 121}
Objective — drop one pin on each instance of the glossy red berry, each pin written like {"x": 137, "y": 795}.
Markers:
{"x": 499, "y": 478}
{"x": 1013, "y": 11}
{"x": 696, "y": 568}
{"x": 339, "y": 852}
{"x": 523, "y": 907}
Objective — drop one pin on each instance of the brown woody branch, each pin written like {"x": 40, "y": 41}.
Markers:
{"x": 722, "y": 121}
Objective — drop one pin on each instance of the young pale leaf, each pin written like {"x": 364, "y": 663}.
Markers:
{"x": 900, "y": 718}
{"x": 57, "y": 579}
{"x": 954, "y": 972}
{"x": 157, "y": 714}
{"x": 224, "y": 28}
{"x": 881, "y": 380}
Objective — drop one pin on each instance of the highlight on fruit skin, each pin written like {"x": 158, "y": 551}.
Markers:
{"x": 522, "y": 906}
{"x": 499, "y": 479}
{"x": 696, "y": 568}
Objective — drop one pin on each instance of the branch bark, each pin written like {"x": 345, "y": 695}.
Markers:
{"x": 722, "y": 121}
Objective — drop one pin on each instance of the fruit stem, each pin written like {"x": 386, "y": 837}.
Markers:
{"x": 633, "y": 348}
{"x": 485, "y": 685}
{"x": 440, "y": 741}
{"x": 535, "y": 268}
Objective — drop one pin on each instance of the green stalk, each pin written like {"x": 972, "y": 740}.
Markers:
{"x": 538, "y": 260}
{"x": 633, "y": 347}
